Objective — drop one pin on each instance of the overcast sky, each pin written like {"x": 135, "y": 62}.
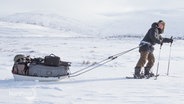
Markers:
{"x": 80, "y": 7}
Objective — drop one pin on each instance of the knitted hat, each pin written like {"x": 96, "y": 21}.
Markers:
{"x": 162, "y": 22}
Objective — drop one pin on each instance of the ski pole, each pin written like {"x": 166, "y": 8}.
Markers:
{"x": 93, "y": 66}
{"x": 158, "y": 61}
{"x": 168, "y": 67}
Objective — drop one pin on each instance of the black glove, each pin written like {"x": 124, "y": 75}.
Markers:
{"x": 171, "y": 40}
{"x": 167, "y": 40}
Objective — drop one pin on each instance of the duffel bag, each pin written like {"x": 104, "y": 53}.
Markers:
{"x": 47, "y": 71}
{"x": 52, "y": 60}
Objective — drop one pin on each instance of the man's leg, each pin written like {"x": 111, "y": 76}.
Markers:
{"x": 151, "y": 61}
{"x": 140, "y": 63}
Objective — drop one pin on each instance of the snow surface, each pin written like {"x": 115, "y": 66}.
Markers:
{"x": 104, "y": 85}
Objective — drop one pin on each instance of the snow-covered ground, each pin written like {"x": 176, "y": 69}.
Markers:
{"x": 104, "y": 85}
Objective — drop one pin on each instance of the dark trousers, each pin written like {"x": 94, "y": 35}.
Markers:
{"x": 144, "y": 57}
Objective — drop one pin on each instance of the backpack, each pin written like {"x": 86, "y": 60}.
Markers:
{"x": 20, "y": 64}
{"x": 20, "y": 68}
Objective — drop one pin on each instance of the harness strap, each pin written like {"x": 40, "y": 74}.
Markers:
{"x": 145, "y": 42}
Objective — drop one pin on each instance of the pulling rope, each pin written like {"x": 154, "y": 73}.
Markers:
{"x": 93, "y": 66}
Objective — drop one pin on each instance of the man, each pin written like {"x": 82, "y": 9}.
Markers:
{"x": 146, "y": 49}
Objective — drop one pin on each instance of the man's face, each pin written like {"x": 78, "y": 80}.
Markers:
{"x": 161, "y": 26}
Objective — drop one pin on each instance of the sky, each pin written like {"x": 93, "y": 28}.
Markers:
{"x": 82, "y": 7}
{"x": 136, "y": 11}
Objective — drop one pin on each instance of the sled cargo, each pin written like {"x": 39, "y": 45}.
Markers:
{"x": 50, "y": 68}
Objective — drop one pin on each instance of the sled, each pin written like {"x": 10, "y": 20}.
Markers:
{"x": 38, "y": 69}
{"x": 18, "y": 77}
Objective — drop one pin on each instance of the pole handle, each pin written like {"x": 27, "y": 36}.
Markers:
{"x": 172, "y": 41}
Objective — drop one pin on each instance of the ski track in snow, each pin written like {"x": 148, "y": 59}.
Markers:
{"x": 104, "y": 85}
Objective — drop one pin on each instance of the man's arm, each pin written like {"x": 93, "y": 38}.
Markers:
{"x": 155, "y": 36}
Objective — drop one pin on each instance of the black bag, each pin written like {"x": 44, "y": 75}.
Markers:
{"x": 52, "y": 60}
{"x": 64, "y": 63}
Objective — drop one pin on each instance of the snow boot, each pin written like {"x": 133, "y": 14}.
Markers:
{"x": 137, "y": 74}
{"x": 147, "y": 72}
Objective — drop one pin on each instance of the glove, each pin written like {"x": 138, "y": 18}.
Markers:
{"x": 171, "y": 40}
{"x": 167, "y": 40}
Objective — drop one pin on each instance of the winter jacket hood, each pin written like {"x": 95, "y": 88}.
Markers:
{"x": 155, "y": 25}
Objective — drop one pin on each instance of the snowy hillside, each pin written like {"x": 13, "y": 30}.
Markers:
{"x": 107, "y": 24}
{"x": 52, "y": 21}
{"x": 8, "y": 29}
{"x": 139, "y": 21}
{"x": 104, "y": 85}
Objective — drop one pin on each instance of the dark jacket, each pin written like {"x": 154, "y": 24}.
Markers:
{"x": 151, "y": 38}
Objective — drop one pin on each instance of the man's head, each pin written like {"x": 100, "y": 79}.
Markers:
{"x": 161, "y": 25}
